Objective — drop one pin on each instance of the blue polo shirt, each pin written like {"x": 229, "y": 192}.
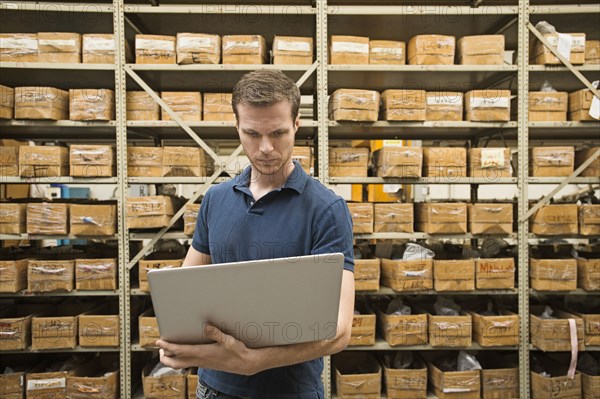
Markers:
{"x": 301, "y": 218}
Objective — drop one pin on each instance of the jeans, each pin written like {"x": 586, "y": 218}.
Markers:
{"x": 206, "y": 392}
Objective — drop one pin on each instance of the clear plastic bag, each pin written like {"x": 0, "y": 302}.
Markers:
{"x": 545, "y": 27}
{"x": 161, "y": 370}
{"x": 467, "y": 362}
{"x": 489, "y": 310}
{"x": 547, "y": 87}
{"x": 445, "y": 306}
{"x": 403, "y": 360}
{"x": 416, "y": 252}
{"x": 547, "y": 313}
{"x": 398, "y": 308}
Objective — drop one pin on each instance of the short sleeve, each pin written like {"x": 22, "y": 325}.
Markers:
{"x": 333, "y": 233}
{"x": 200, "y": 238}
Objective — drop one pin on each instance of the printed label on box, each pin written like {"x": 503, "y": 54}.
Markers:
{"x": 96, "y": 43}
{"x": 349, "y": 47}
{"x": 444, "y": 100}
{"x": 492, "y": 157}
{"x": 49, "y": 383}
{"x": 284, "y": 45}
{"x": 149, "y": 44}
{"x": 196, "y": 42}
{"x": 490, "y": 102}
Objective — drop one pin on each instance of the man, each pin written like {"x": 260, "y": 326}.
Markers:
{"x": 273, "y": 209}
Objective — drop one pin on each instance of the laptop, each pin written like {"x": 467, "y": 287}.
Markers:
{"x": 262, "y": 303}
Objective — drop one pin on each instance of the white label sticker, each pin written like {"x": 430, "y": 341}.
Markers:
{"x": 492, "y": 157}
{"x": 248, "y": 44}
{"x": 387, "y": 50}
{"x": 490, "y": 102}
{"x": 98, "y": 44}
{"x": 48, "y": 383}
{"x": 565, "y": 42}
{"x": 578, "y": 41}
{"x": 392, "y": 188}
{"x": 53, "y": 42}
{"x": 444, "y": 100}
{"x": 284, "y": 45}
{"x": 349, "y": 47}
{"x": 19, "y": 43}
{"x": 595, "y": 107}
{"x": 152, "y": 44}
{"x": 195, "y": 42}
{"x": 392, "y": 143}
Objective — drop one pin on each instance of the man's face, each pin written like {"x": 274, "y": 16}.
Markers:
{"x": 267, "y": 135}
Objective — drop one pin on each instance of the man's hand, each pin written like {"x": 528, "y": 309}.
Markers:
{"x": 226, "y": 354}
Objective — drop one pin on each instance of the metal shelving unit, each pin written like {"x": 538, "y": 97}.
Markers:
{"x": 381, "y": 345}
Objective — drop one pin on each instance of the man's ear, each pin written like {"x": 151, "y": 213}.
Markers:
{"x": 297, "y": 122}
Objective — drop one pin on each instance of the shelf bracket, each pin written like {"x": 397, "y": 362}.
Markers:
{"x": 307, "y": 74}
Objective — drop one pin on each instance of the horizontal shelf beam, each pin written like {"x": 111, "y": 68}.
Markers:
{"x": 216, "y": 67}
{"x": 56, "y": 124}
{"x": 423, "y": 236}
{"x": 564, "y": 9}
{"x": 427, "y": 124}
{"x": 173, "y": 180}
{"x": 49, "y": 65}
{"x": 138, "y": 348}
{"x": 566, "y": 124}
{"x": 560, "y": 68}
{"x": 389, "y": 291}
{"x": 421, "y": 180}
{"x": 61, "y": 180}
{"x": 55, "y": 7}
{"x": 219, "y": 9}
{"x": 558, "y": 180}
{"x": 67, "y": 350}
{"x": 534, "y": 237}
{"x": 26, "y": 236}
{"x": 381, "y": 345}
{"x": 587, "y": 349}
{"x": 578, "y": 291}
{"x": 205, "y": 124}
{"x": 26, "y": 293}
{"x": 422, "y": 68}
{"x": 176, "y": 235}
{"x": 421, "y": 10}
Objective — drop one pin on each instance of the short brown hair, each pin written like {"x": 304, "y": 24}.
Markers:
{"x": 265, "y": 87}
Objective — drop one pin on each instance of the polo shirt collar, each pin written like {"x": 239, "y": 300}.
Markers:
{"x": 296, "y": 180}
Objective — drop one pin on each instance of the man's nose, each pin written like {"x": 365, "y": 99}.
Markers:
{"x": 266, "y": 146}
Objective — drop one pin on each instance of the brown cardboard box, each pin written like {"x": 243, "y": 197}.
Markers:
{"x": 16, "y": 328}
{"x": 9, "y": 161}
{"x": 580, "y": 100}
{"x": 96, "y": 384}
{"x": 387, "y": 52}
{"x": 141, "y": 107}
{"x": 147, "y": 265}
{"x": 43, "y": 161}
{"x": 50, "y": 275}
{"x": 551, "y": 161}
{"x": 43, "y": 384}
{"x": 91, "y": 160}
{"x": 500, "y": 383}
{"x": 303, "y": 154}
{"x": 555, "y": 219}
{"x": 57, "y": 327}
{"x": 589, "y": 219}
{"x": 12, "y": 382}
{"x": 217, "y": 107}
{"x": 95, "y": 274}
{"x": 444, "y": 106}
{"x": 357, "y": 375}
{"x": 188, "y": 105}
{"x": 60, "y": 47}
{"x": 444, "y": 162}
{"x": 144, "y": 161}
{"x": 348, "y": 50}
{"x": 198, "y": 48}
{"x": 540, "y": 54}
{"x": 14, "y": 275}
{"x": 12, "y": 218}
{"x": 590, "y": 385}
{"x": 345, "y": 160}
{"x": 155, "y": 49}
{"x": 362, "y": 216}
{"x": 183, "y": 161}
{"x": 366, "y": 274}
{"x": 354, "y": 105}
{"x": 98, "y": 48}
{"x": 192, "y": 383}
{"x": 244, "y": 49}
{"x": 163, "y": 387}
{"x": 588, "y": 274}
{"x": 99, "y": 328}
{"x": 190, "y": 217}
{"x": 398, "y": 161}
{"x": 487, "y": 218}
{"x": 494, "y": 273}
{"x": 363, "y": 327}
{"x": 553, "y": 274}
{"x": 431, "y": 50}
{"x": 47, "y": 218}
{"x": 501, "y": 330}
{"x": 292, "y": 50}
{"x": 149, "y": 212}
{"x": 591, "y": 327}
{"x": 454, "y": 275}
{"x": 481, "y": 50}
{"x": 41, "y": 103}
{"x": 441, "y": 218}
{"x": 490, "y": 163}
{"x": 402, "y": 330}
{"x": 487, "y": 105}
{"x": 556, "y": 387}
{"x": 393, "y": 218}
{"x": 91, "y": 105}
{"x": 583, "y": 155}
{"x": 411, "y": 275}
{"x": 403, "y": 105}
{"x": 548, "y": 106}
{"x": 454, "y": 384}
{"x": 554, "y": 334}
{"x": 592, "y": 51}
{"x": 148, "y": 329}
{"x": 18, "y": 47}
{"x": 7, "y": 102}
{"x": 404, "y": 383}
{"x": 450, "y": 331}
{"x": 93, "y": 219}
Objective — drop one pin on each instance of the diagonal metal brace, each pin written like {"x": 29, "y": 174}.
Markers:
{"x": 556, "y": 189}
{"x": 307, "y": 74}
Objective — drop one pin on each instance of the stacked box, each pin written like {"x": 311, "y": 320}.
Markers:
{"x": 548, "y": 106}
{"x": 362, "y": 216}
{"x": 593, "y": 170}
{"x": 410, "y": 275}
{"x": 99, "y": 328}
{"x": 41, "y": 103}
{"x": 490, "y": 162}
{"x": 98, "y": 48}
{"x": 217, "y": 107}
{"x": 43, "y": 382}
{"x": 580, "y": 102}
{"x": 9, "y": 161}
{"x": 59, "y": 47}
{"x": 47, "y": 218}
{"x": 198, "y": 48}
{"x": 551, "y": 161}
{"x": 454, "y": 275}
{"x": 93, "y": 220}
{"x": 554, "y": 334}
{"x": 366, "y": 274}
{"x": 244, "y": 49}
{"x": 590, "y": 385}
{"x": 405, "y": 383}
{"x": 91, "y": 105}
{"x": 393, "y": 218}
{"x": 487, "y": 218}
{"x": 14, "y": 275}
{"x": 16, "y": 328}
{"x": 148, "y": 329}
{"x": 555, "y": 219}
{"x": 589, "y": 219}
{"x": 494, "y": 273}
{"x": 444, "y": 106}
{"x": 190, "y": 218}
{"x": 454, "y": 384}
{"x": 292, "y": 50}
{"x": 187, "y": 105}
{"x": 450, "y": 331}
{"x": 58, "y": 327}
{"x": 163, "y": 387}
{"x": 346, "y": 162}
{"x": 398, "y": 161}
{"x": 500, "y": 381}
{"x": 592, "y": 51}
{"x": 403, "y": 105}
{"x": 487, "y": 105}
{"x": 149, "y": 212}
{"x": 591, "y": 327}
{"x": 357, "y": 375}
{"x": 91, "y": 160}
{"x": 183, "y": 161}
{"x": 303, "y": 154}
{"x": 431, "y": 50}
{"x": 500, "y": 330}
{"x": 450, "y": 162}
{"x": 588, "y": 273}
{"x": 403, "y": 330}
{"x": 94, "y": 384}
{"x": 553, "y": 274}
{"x": 363, "y": 327}
{"x": 192, "y": 383}
{"x": 141, "y": 107}
{"x": 556, "y": 387}
{"x": 155, "y": 49}
{"x": 12, "y": 382}
{"x": 95, "y": 274}
{"x": 12, "y": 218}
{"x": 50, "y": 275}
{"x": 43, "y": 161}
{"x": 354, "y": 105}
{"x": 441, "y": 218}
{"x": 349, "y": 50}
{"x": 7, "y": 102}
{"x": 481, "y": 50}
{"x": 541, "y": 54}
{"x": 147, "y": 265}
{"x": 18, "y": 47}
{"x": 387, "y": 52}
{"x": 144, "y": 161}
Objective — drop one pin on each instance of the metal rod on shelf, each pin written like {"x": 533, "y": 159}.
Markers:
{"x": 307, "y": 74}
{"x": 506, "y": 26}
{"x": 133, "y": 26}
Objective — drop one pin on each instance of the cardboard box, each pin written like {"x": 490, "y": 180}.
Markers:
{"x": 47, "y": 218}
{"x": 144, "y": 161}
{"x": 580, "y": 102}
{"x": 588, "y": 274}
{"x": 354, "y": 105}
{"x": 589, "y": 219}
{"x": 217, "y": 107}
{"x": 12, "y": 382}
{"x": 592, "y": 51}
{"x": 403, "y": 330}
{"x": 97, "y": 385}
{"x": 292, "y": 50}
{"x": 444, "y": 106}
{"x": 583, "y": 155}
{"x": 487, "y": 105}
{"x": 494, "y": 273}
{"x": 441, "y": 218}
{"x": 148, "y": 329}
{"x": 366, "y": 274}
{"x": 454, "y": 275}
{"x": 16, "y": 328}
{"x": 454, "y": 384}
{"x": 411, "y": 275}
{"x": 141, "y": 107}
{"x": 490, "y": 163}
{"x": 481, "y": 50}
{"x": 357, "y": 375}
{"x": 554, "y": 334}
{"x": 431, "y": 50}
{"x": 405, "y": 383}
{"x": 551, "y": 161}
{"x": 553, "y": 274}
{"x": 149, "y": 212}
{"x": 190, "y": 218}
{"x": 387, "y": 52}
{"x": 192, "y": 383}
{"x": 44, "y": 385}
{"x": 57, "y": 327}
{"x": 403, "y": 105}
{"x": 183, "y": 161}
{"x": 18, "y": 47}
{"x": 12, "y": 218}
{"x": 50, "y": 275}
{"x": 244, "y": 49}
{"x": 501, "y": 330}
{"x": 556, "y": 387}
{"x": 303, "y": 154}
{"x": 155, "y": 49}
{"x": 14, "y": 275}
{"x": 398, "y": 161}
{"x": 43, "y": 161}
{"x": 500, "y": 383}
{"x": 393, "y": 218}
{"x": 591, "y": 327}
{"x": 590, "y": 385}
{"x": 99, "y": 328}
{"x": 98, "y": 48}
{"x": 348, "y": 50}
{"x": 363, "y": 327}
{"x": 59, "y": 47}
{"x": 548, "y": 106}
{"x": 95, "y": 274}
{"x": 555, "y": 219}
{"x": 91, "y": 160}
{"x": 487, "y": 218}
{"x": 163, "y": 387}
{"x": 187, "y": 105}
{"x": 147, "y": 265}
{"x": 450, "y": 331}
{"x": 540, "y": 54}
{"x": 346, "y": 161}
{"x": 198, "y": 48}
{"x": 444, "y": 162}
{"x": 41, "y": 103}
{"x": 362, "y": 216}
{"x": 7, "y": 102}
{"x": 9, "y": 161}
{"x": 93, "y": 219}
{"x": 91, "y": 105}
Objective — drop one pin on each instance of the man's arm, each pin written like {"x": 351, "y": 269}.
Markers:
{"x": 196, "y": 258}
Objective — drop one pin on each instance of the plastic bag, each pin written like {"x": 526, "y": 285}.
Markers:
{"x": 416, "y": 252}
{"x": 588, "y": 365}
{"x": 547, "y": 87}
{"x": 445, "y": 306}
{"x": 492, "y": 247}
{"x": 403, "y": 360}
{"x": 8, "y": 370}
{"x": 356, "y": 312}
{"x": 545, "y": 27}
{"x": 161, "y": 370}
{"x": 467, "y": 362}
{"x": 448, "y": 364}
{"x": 489, "y": 310}
{"x": 547, "y": 313}
{"x": 398, "y": 308}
